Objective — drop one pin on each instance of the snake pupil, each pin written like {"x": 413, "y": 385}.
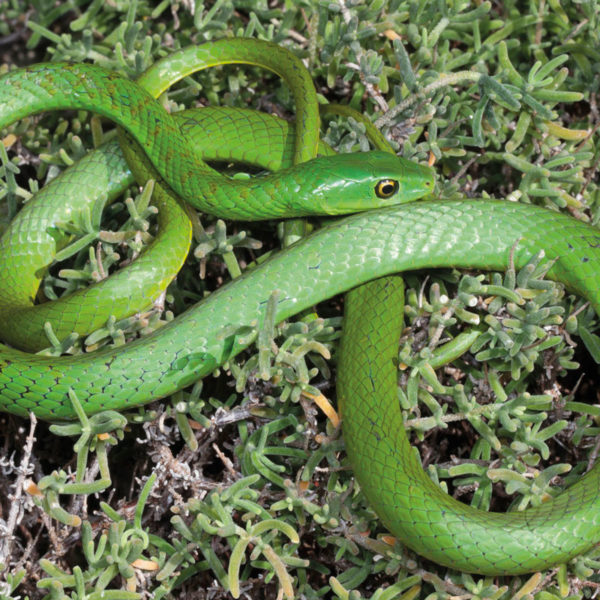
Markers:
{"x": 386, "y": 188}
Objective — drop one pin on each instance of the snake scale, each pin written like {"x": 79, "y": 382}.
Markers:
{"x": 476, "y": 234}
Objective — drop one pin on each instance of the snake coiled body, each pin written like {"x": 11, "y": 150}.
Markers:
{"x": 474, "y": 234}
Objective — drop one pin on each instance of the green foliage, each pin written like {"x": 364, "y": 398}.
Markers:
{"x": 258, "y": 498}
{"x": 114, "y": 554}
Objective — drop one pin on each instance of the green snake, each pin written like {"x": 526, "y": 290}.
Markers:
{"x": 474, "y": 234}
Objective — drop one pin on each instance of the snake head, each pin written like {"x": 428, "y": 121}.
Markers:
{"x": 348, "y": 183}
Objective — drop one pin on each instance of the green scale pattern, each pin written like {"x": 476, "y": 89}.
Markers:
{"x": 157, "y": 145}
{"x": 357, "y": 249}
{"x": 408, "y": 502}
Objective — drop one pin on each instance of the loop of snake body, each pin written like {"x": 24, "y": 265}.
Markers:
{"x": 476, "y": 234}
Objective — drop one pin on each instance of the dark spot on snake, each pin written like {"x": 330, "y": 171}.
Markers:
{"x": 593, "y": 241}
{"x": 279, "y": 301}
{"x": 371, "y": 379}
{"x": 569, "y": 246}
{"x": 377, "y": 436}
{"x": 372, "y": 382}
{"x": 585, "y": 259}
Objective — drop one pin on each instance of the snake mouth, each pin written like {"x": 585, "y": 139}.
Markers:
{"x": 418, "y": 181}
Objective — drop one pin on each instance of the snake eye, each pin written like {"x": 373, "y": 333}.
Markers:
{"x": 386, "y": 188}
